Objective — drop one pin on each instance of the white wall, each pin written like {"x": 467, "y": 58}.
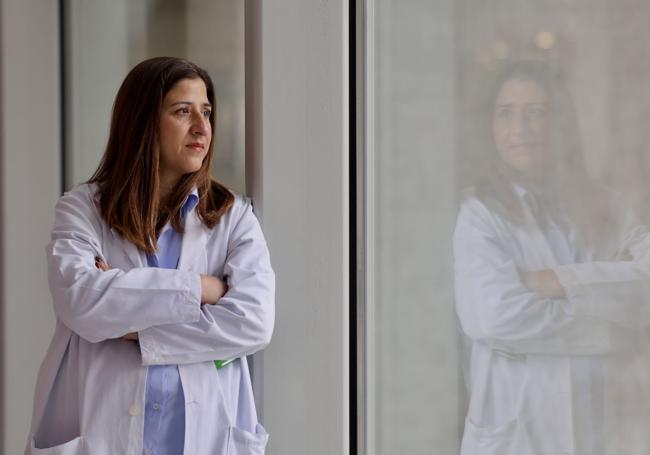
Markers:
{"x": 30, "y": 180}
{"x": 297, "y": 135}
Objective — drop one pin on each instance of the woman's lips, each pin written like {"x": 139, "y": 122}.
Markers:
{"x": 196, "y": 146}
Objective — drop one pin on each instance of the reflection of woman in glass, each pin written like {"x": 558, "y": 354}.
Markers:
{"x": 535, "y": 369}
{"x": 161, "y": 284}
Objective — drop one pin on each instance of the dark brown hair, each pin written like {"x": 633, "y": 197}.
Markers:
{"x": 127, "y": 176}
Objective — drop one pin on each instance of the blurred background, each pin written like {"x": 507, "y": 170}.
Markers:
{"x": 210, "y": 33}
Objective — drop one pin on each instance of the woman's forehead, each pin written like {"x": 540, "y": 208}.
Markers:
{"x": 521, "y": 91}
{"x": 193, "y": 90}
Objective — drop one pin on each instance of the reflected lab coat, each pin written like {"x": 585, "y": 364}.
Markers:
{"x": 90, "y": 391}
{"x": 519, "y": 345}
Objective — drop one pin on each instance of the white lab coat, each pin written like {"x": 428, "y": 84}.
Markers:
{"x": 90, "y": 392}
{"x": 519, "y": 345}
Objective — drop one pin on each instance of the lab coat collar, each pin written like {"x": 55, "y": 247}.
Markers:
{"x": 195, "y": 234}
{"x": 136, "y": 257}
{"x": 539, "y": 244}
{"x": 195, "y": 238}
{"x": 191, "y": 201}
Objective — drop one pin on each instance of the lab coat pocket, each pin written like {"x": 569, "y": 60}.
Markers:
{"x": 72, "y": 447}
{"x": 509, "y": 438}
{"x": 242, "y": 442}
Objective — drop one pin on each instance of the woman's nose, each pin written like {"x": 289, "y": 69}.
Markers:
{"x": 519, "y": 124}
{"x": 201, "y": 125}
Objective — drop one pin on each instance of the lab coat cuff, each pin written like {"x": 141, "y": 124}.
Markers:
{"x": 570, "y": 281}
{"x": 574, "y": 289}
{"x": 188, "y": 310}
{"x": 149, "y": 349}
{"x": 188, "y": 306}
{"x": 194, "y": 297}
{"x": 567, "y": 276}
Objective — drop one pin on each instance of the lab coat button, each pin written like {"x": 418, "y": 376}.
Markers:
{"x": 135, "y": 410}
{"x": 156, "y": 406}
{"x": 148, "y": 452}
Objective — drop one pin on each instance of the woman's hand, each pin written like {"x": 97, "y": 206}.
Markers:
{"x": 212, "y": 289}
{"x": 103, "y": 266}
{"x": 545, "y": 283}
{"x": 100, "y": 264}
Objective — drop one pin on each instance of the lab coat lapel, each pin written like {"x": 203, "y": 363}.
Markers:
{"x": 195, "y": 238}
{"x": 539, "y": 252}
{"x": 131, "y": 251}
{"x": 538, "y": 242}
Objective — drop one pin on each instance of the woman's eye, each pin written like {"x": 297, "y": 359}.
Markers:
{"x": 503, "y": 113}
{"x": 536, "y": 112}
{"x": 207, "y": 113}
{"x": 183, "y": 111}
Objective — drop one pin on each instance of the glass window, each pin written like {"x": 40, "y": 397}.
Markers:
{"x": 507, "y": 300}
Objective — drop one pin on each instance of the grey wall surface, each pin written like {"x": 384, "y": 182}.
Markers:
{"x": 94, "y": 30}
{"x": 222, "y": 55}
{"x": 30, "y": 181}
{"x": 299, "y": 76}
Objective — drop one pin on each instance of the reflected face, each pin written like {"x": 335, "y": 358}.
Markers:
{"x": 521, "y": 125}
{"x": 184, "y": 132}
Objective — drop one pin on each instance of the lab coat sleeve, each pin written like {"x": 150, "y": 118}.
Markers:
{"x": 615, "y": 291}
{"x": 101, "y": 305}
{"x": 495, "y": 307}
{"x": 241, "y": 323}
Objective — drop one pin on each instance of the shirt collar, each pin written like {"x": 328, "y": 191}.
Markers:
{"x": 527, "y": 197}
{"x": 520, "y": 191}
{"x": 191, "y": 200}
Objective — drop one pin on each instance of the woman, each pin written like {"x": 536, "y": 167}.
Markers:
{"x": 540, "y": 319}
{"x": 156, "y": 272}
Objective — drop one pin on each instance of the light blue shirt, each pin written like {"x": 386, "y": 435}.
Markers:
{"x": 164, "y": 417}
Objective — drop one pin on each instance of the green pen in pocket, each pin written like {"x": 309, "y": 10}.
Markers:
{"x": 222, "y": 363}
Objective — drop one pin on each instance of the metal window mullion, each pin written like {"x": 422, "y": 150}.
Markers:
{"x": 366, "y": 235}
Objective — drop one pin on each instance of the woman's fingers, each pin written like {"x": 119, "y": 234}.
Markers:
{"x": 103, "y": 266}
{"x": 544, "y": 282}
{"x": 212, "y": 289}
{"x": 100, "y": 264}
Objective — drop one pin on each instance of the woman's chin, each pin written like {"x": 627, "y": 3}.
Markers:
{"x": 192, "y": 166}
{"x": 529, "y": 172}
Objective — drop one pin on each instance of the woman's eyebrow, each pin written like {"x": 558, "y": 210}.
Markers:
{"x": 534, "y": 103}
{"x": 189, "y": 102}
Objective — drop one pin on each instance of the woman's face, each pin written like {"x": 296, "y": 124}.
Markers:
{"x": 185, "y": 132}
{"x": 521, "y": 127}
